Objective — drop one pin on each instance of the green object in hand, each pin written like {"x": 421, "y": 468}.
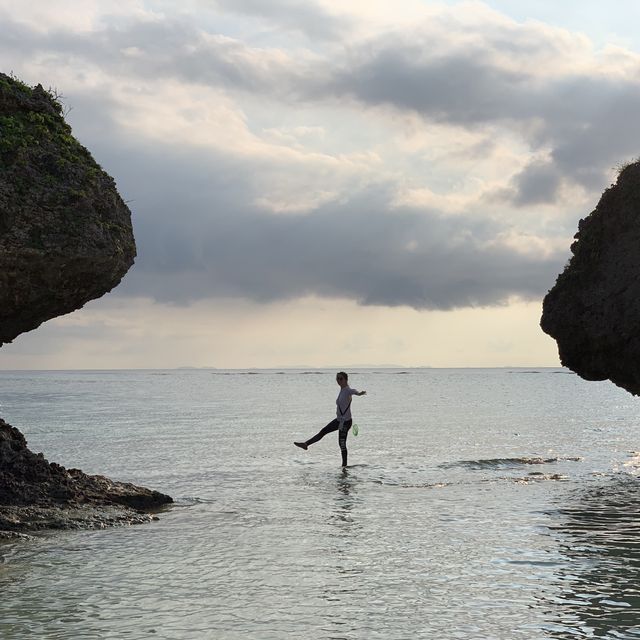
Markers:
{"x": 355, "y": 429}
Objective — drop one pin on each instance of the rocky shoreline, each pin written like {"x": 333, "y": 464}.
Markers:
{"x": 36, "y": 494}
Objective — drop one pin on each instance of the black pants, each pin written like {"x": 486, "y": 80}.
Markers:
{"x": 334, "y": 425}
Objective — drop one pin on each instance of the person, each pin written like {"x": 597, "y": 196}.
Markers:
{"x": 343, "y": 420}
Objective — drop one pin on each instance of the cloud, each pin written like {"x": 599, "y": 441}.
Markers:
{"x": 582, "y": 120}
{"x": 165, "y": 48}
{"x": 471, "y": 70}
{"x": 268, "y": 173}
{"x": 210, "y": 239}
{"x": 308, "y": 17}
{"x": 537, "y": 183}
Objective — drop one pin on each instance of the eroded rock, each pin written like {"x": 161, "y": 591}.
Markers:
{"x": 65, "y": 232}
{"x": 593, "y": 311}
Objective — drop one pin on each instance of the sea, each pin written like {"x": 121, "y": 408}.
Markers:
{"x": 477, "y": 504}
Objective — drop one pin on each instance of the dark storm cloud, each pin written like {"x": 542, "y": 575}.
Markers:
{"x": 457, "y": 89}
{"x": 207, "y": 239}
{"x": 538, "y": 183}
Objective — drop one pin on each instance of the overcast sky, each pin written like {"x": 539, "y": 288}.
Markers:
{"x": 333, "y": 182}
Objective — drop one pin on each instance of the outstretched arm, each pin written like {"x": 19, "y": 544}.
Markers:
{"x": 361, "y": 393}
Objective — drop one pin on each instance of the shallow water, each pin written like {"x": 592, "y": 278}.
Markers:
{"x": 477, "y": 504}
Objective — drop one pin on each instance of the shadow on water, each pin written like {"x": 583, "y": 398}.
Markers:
{"x": 600, "y": 587}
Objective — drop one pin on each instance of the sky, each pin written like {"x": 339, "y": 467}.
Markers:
{"x": 333, "y": 183}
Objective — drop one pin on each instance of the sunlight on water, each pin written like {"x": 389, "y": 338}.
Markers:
{"x": 478, "y": 504}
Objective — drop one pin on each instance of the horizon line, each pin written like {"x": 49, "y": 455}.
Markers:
{"x": 287, "y": 368}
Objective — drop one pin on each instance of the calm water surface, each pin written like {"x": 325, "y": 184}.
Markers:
{"x": 489, "y": 504}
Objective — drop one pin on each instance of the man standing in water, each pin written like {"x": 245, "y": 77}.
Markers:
{"x": 343, "y": 420}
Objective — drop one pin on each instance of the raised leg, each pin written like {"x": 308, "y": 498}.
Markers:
{"x": 332, "y": 426}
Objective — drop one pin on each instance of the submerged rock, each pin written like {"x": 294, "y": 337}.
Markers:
{"x": 593, "y": 311}
{"x": 65, "y": 232}
{"x": 36, "y": 494}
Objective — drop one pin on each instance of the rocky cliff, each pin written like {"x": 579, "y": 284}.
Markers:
{"x": 65, "y": 238}
{"x": 65, "y": 233}
{"x": 593, "y": 311}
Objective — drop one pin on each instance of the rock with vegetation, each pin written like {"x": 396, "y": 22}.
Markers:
{"x": 65, "y": 232}
{"x": 593, "y": 311}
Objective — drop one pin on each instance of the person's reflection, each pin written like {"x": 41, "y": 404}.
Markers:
{"x": 347, "y": 525}
{"x": 345, "y": 500}
{"x": 600, "y": 536}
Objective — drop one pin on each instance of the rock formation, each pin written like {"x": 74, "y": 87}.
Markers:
{"x": 36, "y": 494}
{"x": 593, "y": 311}
{"x": 65, "y": 238}
{"x": 65, "y": 233}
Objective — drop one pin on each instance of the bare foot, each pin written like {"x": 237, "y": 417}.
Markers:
{"x": 302, "y": 445}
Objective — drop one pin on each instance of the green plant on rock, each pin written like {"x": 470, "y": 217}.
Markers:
{"x": 33, "y": 131}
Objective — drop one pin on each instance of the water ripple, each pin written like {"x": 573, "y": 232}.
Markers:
{"x": 448, "y": 525}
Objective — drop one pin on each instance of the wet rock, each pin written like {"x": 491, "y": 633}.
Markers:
{"x": 65, "y": 232}
{"x": 593, "y": 311}
{"x": 36, "y": 494}
{"x": 16, "y": 520}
